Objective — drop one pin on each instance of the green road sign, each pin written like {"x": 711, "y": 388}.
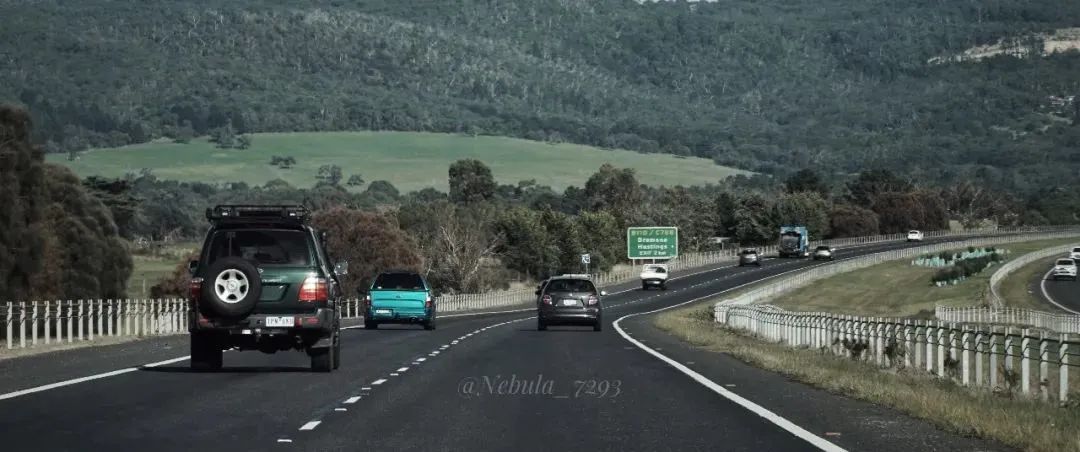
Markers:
{"x": 652, "y": 243}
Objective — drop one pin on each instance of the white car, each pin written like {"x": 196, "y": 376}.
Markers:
{"x": 1064, "y": 269}
{"x": 1075, "y": 254}
{"x": 824, "y": 253}
{"x": 654, "y": 275}
{"x": 914, "y": 236}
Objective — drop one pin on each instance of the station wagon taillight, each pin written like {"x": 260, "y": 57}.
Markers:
{"x": 314, "y": 290}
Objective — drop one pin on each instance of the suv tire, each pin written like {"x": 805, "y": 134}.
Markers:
{"x": 430, "y": 324}
{"x": 337, "y": 349}
{"x": 322, "y": 359}
{"x": 206, "y": 352}
{"x": 231, "y": 288}
{"x": 598, "y": 326}
{"x": 541, "y": 325}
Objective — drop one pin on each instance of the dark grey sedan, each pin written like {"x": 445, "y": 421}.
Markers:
{"x": 569, "y": 300}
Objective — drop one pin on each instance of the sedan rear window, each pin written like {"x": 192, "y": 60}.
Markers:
{"x": 824, "y": 248}
{"x": 749, "y": 252}
{"x": 571, "y": 285}
{"x": 263, "y": 246}
{"x": 657, "y": 269}
{"x": 399, "y": 281}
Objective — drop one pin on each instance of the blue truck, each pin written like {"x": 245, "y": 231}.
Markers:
{"x": 794, "y": 241}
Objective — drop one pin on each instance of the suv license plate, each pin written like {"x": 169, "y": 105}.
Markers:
{"x": 279, "y": 321}
{"x": 569, "y": 302}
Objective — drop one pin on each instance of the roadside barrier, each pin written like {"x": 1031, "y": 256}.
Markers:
{"x": 1021, "y": 361}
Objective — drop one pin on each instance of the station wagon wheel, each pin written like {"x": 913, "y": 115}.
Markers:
{"x": 231, "y": 286}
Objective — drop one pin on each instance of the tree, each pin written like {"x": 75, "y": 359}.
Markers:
{"x": 243, "y": 141}
{"x": 471, "y": 181}
{"x": 382, "y": 192}
{"x": 355, "y": 180}
{"x": 116, "y": 195}
{"x": 329, "y": 175}
{"x": 459, "y": 243}
{"x": 225, "y": 137}
{"x": 615, "y": 190}
{"x": 527, "y": 245}
{"x": 898, "y": 212}
{"x": 371, "y": 242}
{"x": 852, "y": 221}
{"x": 753, "y": 225}
{"x": 803, "y": 208}
{"x": 806, "y": 180}
{"x": 872, "y": 183}
{"x": 602, "y": 238}
{"x": 22, "y": 186}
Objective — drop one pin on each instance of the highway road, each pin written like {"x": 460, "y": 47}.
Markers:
{"x": 1063, "y": 294}
{"x": 629, "y": 387}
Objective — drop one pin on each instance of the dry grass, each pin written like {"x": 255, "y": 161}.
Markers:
{"x": 1027, "y": 424}
{"x": 1017, "y": 291}
{"x": 898, "y": 288}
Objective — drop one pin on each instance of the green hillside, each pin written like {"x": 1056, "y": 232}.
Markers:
{"x": 764, "y": 85}
{"x": 410, "y": 161}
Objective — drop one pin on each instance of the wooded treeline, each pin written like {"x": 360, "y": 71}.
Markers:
{"x": 770, "y": 86}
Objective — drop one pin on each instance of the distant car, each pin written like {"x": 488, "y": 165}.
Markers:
{"x": 749, "y": 257}
{"x": 823, "y": 252}
{"x": 1064, "y": 269}
{"x": 569, "y": 300}
{"x": 1075, "y": 254}
{"x": 914, "y": 236}
{"x": 399, "y": 297}
{"x": 654, "y": 275}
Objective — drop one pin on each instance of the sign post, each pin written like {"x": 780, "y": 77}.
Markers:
{"x": 660, "y": 242}
{"x": 586, "y": 259}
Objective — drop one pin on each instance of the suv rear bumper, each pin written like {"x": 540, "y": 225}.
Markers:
{"x": 322, "y": 320}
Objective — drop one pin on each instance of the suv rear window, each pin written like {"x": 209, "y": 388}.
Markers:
{"x": 571, "y": 285}
{"x": 656, "y": 269}
{"x": 399, "y": 281}
{"x": 749, "y": 252}
{"x": 264, "y": 246}
{"x": 1076, "y": 250}
{"x": 1066, "y": 262}
{"x": 823, "y": 248}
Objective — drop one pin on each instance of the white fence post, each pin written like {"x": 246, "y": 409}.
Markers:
{"x": 48, "y": 321}
{"x": 22, "y": 324}
{"x": 33, "y": 323}
{"x": 9, "y": 321}
{"x": 1025, "y": 362}
{"x": 1063, "y": 369}
{"x": 980, "y": 349}
{"x": 1044, "y": 368}
{"x": 965, "y": 358}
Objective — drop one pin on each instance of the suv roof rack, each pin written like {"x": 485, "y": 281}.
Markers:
{"x": 273, "y": 213}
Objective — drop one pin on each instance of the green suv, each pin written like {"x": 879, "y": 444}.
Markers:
{"x": 264, "y": 281}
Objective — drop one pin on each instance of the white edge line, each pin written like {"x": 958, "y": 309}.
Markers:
{"x": 785, "y": 424}
{"x": 1046, "y": 294}
{"x": 310, "y": 425}
{"x": 60, "y": 384}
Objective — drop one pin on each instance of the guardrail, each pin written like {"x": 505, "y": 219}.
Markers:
{"x": 29, "y": 324}
{"x": 1061, "y": 323}
{"x": 1015, "y": 264}
{"x": 976, "y": 356}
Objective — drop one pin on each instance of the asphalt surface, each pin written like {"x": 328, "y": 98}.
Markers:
{"x": 1063, "y": 294}
{"x": 487, "y": 382}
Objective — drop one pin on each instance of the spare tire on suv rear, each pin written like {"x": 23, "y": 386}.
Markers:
{"x": 231, "y": 287}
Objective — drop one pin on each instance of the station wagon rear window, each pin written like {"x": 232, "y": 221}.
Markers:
{"x": 263, "y": 246}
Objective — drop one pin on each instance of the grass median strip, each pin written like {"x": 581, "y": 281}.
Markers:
{"x": 1018, "y": 291}
{"x": 1027, "y": 424}
{"x": 898, "y": 289}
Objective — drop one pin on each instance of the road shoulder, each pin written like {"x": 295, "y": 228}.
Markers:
{"x": 849, "y": 423}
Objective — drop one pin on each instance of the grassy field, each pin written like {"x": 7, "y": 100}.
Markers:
{"x": 149, "y": 267}
{"x": 1017, "y": 291}
{"x": 409, "y": 160}
{"x": 1020, "y": 422}
{"x": 897, "y": 289}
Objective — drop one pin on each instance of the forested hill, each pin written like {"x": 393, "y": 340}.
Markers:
{"x": 765, "y": 85}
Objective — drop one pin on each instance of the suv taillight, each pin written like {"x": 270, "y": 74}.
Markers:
{"x": 195, "y": 289}
{"x": 593, "y": 300}
{"x": 314, "y": 290}
{"x": 546, "y": 299}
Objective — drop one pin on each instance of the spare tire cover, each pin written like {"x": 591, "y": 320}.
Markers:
{"x": 231, "y": 287}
